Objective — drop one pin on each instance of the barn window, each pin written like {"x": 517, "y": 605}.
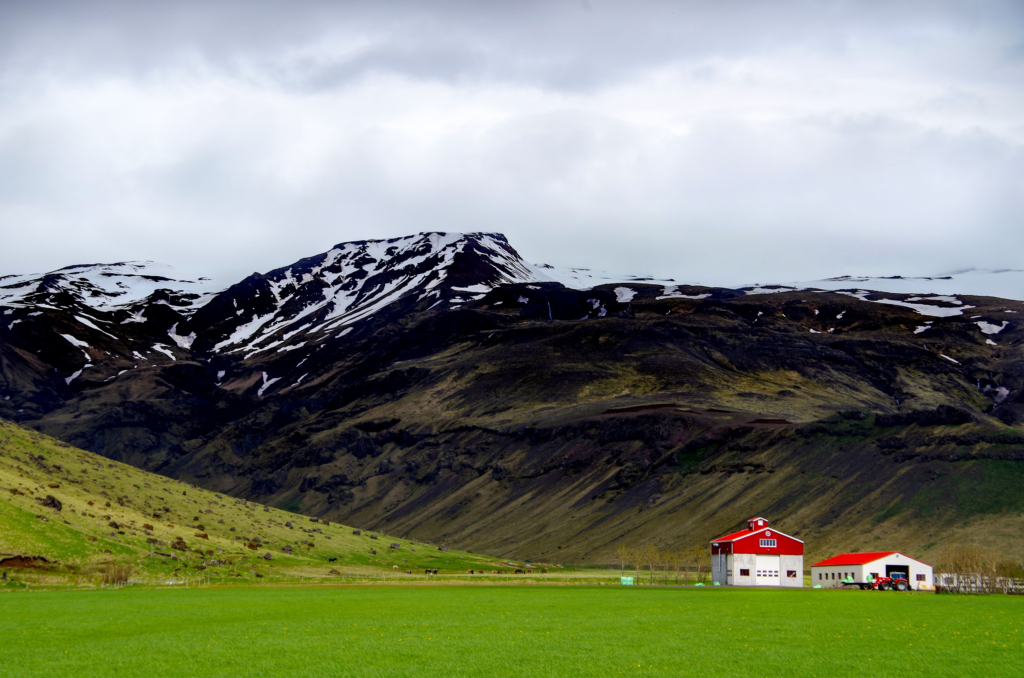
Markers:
{"x": 920, "y": 577}
{"x": 819, "y": 576}
{"x": 744, "y": 573}
{"x": 768, "y": 543}
{"x": 791, "y": 574}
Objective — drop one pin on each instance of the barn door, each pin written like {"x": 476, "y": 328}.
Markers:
{"x": 767, "y": 573}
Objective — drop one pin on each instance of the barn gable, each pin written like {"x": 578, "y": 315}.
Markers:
{"x": 757, "y": 556}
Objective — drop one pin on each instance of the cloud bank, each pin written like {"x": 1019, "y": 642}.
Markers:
{"x": 726, "y": 144}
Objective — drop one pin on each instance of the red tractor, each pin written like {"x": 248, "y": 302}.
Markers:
{"x": 897, "y": 582}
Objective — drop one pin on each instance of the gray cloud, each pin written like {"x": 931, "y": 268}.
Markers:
{"x": 724, "y": 143}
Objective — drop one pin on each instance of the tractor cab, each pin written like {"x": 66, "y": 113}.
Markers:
{"x": 897, "y": 572}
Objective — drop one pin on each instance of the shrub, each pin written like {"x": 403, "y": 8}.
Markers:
{"x": 117, "y": 574}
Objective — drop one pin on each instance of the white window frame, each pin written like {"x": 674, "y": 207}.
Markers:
{"x": 769, "y": 544}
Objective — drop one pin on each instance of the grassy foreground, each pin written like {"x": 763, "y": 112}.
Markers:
{"x": 508, "y": 631}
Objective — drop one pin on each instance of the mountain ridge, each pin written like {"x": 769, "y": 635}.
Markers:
{"x": 441, "y": 387}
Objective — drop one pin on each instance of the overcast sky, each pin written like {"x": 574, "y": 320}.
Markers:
{"x": 719, "y": 142}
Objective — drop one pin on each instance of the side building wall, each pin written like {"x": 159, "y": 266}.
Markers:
{"x": 720, "y": 565}
{"x": 740, "y": 562}
{"x": 791, "y": 571}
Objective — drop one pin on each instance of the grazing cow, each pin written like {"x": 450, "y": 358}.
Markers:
{"x": 469, "y": 571}
{"x": 394, "y": 567}
{"x": 408, "y": 571}
{"x": 332, "y": 560}
{"x": 544, "y": 571}
{"x": 518, "y": 572}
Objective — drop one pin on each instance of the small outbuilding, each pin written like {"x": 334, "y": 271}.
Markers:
{"x": 757, "y": 556}
{"x": 857, "y": 567}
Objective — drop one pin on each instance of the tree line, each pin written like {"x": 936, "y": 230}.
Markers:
{"x": 968, "y": 568}
{"x": 694, "y": 562}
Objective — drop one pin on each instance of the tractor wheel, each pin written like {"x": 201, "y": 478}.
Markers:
{"x": 883, "y": 587}
{"x": 901, "y": 585}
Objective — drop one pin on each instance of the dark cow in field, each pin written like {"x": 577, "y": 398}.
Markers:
{"x": 429, "y": 571}
{"x": 332, "y": 560}
{"x": 470, "y": 572}
{"x": 518, "y": 572}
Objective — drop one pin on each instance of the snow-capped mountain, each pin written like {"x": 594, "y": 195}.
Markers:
{"x": 81, "y": 316}
{"x": 105, "y": 287}
{"x": 1002, "y": 284}
{"x": 325, "y": 295}
{"x": 90, "y": 323}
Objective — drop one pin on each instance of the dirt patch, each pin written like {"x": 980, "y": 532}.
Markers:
{"x": 23, "y": 562}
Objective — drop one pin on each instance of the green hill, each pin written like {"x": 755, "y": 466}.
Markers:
{"x": 69, "y": 514}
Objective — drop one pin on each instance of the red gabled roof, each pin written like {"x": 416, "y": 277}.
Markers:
{"x": 861, "y": 558}
{"x": 736, "y": 536}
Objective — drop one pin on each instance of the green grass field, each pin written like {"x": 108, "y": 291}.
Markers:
{"x": 520, "y": 631}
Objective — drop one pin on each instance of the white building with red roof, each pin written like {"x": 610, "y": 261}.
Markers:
{"x": 829, "y": 573}
{"x": 757, "y": 556}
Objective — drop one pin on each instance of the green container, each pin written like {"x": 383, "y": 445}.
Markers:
{"x": 626, "y": 581}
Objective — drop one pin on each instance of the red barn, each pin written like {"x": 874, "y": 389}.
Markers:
{"x": 757, "y": 556}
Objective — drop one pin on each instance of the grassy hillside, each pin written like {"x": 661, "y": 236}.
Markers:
{"x": 66, "y": 513}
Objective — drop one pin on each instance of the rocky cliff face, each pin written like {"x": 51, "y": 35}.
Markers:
{"x": 440, "y": 387}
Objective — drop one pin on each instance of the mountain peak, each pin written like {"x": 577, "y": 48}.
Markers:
{"x": 353, "y": 281}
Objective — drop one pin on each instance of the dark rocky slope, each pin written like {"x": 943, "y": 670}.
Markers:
{"x": 520, "y": 417}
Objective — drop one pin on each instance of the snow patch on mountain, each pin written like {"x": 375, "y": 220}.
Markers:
{"x": 1002, "y": 283}
{"x": 989, "y": 328}
{"x": 923, "y": 309}
{"x": 88, "y": 323}
{"x": 182, "y": 342}
{"x": 624, "y": 295}
{"x": 166, "y": 351}
{"x": 78, "y": 343}
{"x": 267, "y": 383}
{"x": 587, "y": 278}
{"x": 672, "y": 292}
{"x": 103, "y": 286}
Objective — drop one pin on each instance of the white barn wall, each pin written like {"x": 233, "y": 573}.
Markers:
{"x": 860, "y": 572}
{"x": 794, "y": 563}
{"x": 745, "y": 561}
